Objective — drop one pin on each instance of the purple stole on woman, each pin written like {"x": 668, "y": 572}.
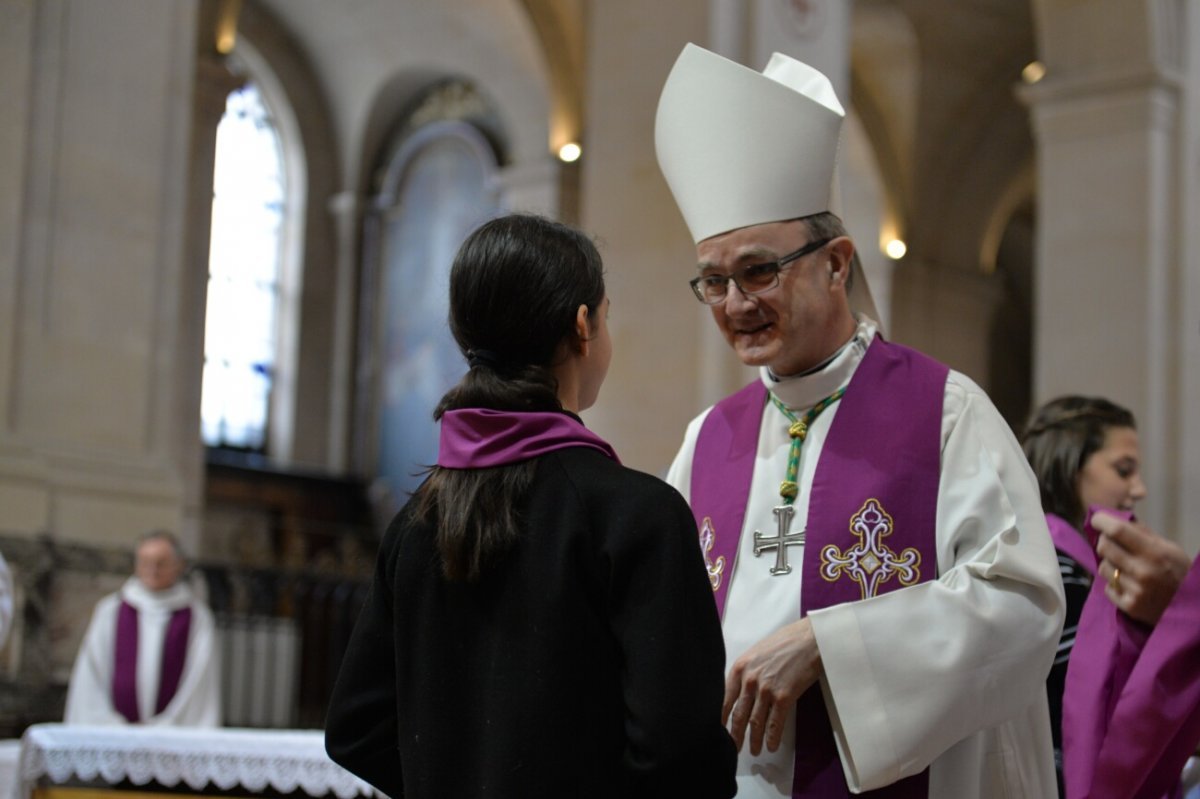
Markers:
{"x": 124, "y": 683}
{"x": 480, "y": 438}
{"x": 1131, "y": 705}
{"x": 1071, "y": 542}
{"x": 876, "y": 478}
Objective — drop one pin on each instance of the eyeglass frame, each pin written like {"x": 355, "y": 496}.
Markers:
{"x": 780, "y": 264}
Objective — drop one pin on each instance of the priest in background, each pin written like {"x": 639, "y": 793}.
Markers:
{"x": 874, "y": 538}
{"x": 149, "y": 655}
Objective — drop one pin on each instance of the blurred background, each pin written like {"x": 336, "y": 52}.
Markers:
{"x": 226, "y": 226}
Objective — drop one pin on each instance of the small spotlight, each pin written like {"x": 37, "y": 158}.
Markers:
{"x": 226, "y": 41}
{"x": 895, "y": 249}
{"x": 569, "y": 152}
{"x": 1033, "y": 72}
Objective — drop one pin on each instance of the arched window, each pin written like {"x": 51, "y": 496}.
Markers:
{"x": 241, "y": 323}
{"x": 437, "y": 184}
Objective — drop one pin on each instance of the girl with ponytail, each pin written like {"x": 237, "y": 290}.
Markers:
{"x": 541, "y": 621}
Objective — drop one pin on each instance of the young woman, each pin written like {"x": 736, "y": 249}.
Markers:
{"x": 1084, "y": 451}
{"x": 540, "y": 621}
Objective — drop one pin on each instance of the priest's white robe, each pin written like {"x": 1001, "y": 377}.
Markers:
{"x": 947, "y": 674}
{"x": 197, "y": 701}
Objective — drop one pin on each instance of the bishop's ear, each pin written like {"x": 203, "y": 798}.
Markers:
{"x": 841, "y": 253}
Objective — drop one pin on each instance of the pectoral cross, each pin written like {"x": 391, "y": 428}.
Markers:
{"x": 779, "y": 541}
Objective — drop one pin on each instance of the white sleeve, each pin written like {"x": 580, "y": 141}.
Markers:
{"x": 197, "y": 702}
{"x": 910, "y": 673}
{"x": 89, "y": 696}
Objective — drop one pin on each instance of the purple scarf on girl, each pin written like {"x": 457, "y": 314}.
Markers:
{"x": 478, "y": 438}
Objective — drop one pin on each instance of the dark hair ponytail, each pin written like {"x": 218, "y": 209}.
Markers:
{"x": 515, "y": 289}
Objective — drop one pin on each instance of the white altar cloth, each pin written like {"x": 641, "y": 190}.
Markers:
{"x": 253, "y": 760}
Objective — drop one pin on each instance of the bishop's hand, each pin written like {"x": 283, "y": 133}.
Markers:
{"x": 765, "y": 682}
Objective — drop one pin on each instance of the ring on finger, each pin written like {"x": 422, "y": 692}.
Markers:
{"x": 1114, "y": 582}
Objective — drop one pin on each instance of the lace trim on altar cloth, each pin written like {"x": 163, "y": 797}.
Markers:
{"x": 284, "y": 760}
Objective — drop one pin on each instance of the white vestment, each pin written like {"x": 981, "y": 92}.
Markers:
{"x": 197, "y": 701}
{"x": 947, "y": 674}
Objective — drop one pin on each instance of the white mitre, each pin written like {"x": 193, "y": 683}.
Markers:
{"x": 741, "y": 148}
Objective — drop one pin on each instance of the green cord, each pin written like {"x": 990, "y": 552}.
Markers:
{"x": 788, "y": 489}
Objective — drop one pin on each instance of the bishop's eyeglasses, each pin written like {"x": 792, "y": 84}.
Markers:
{"x": 750, "y": 280}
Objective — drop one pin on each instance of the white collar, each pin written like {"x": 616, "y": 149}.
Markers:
{"x": 806, "y": 390}
{"x": 173, "y": 598}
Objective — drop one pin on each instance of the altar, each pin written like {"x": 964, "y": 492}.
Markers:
{"x": 57, "y": 761}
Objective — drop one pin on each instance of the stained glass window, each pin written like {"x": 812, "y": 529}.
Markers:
{"x": 243, "y": 275}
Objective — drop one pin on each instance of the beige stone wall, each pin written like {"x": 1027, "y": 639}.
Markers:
{"x": 656, "y": 324}
{"x": 98, "y": 308}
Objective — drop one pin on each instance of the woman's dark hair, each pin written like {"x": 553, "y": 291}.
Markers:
{"x": 1059, "y": 439}
{"x": 515, "y": 290}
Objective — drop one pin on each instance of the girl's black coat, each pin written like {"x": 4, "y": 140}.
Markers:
{"x": 587, "y": 662}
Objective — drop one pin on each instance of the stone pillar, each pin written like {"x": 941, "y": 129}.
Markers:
{"x": 104, "y": 217}
{"x": 346, "y": 209}
{"x": 1113, "y": 290}
{"x": 650, "y": 392}
{"x": 182, "y": 368}
{"x": 939, "y": 303}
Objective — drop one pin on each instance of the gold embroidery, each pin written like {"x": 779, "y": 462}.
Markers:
{"x": 870, "y": 562}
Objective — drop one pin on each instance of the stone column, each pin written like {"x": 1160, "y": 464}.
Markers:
{"x": 346, "y": 208}
{"x": 109, "y": 126}
{"x": 650, "y": 392}
{"x": 1112, "y": 291}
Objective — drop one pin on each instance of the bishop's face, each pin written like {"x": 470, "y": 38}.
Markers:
{"x": 798, "y": 323}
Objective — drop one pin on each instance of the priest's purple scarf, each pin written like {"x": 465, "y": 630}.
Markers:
{"x": 124, "y": 682}
{"x": 478, "y": 438}
{"x": 1131, "y": 709}
{"x": 876, "y": 477}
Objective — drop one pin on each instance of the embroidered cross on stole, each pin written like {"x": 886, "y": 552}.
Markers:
{"x": 871, "y": 514}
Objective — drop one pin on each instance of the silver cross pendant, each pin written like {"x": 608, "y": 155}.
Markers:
{"x": 779, "y": 541}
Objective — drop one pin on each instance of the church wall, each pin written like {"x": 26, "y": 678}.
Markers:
{"x": 99, "y": 314}
{"x": 22, "y": 493}
{"x": 1183, "y": 480}
{"x": 655, "y": 321}
{"x": 103, "y": 223}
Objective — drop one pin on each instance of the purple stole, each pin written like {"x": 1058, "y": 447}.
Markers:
{"x": 1131, "y": 707}
{"x": 1071, "y": 542}
{"x": 480, "y": 438}
{"x": 124, "y": 682}
{"x": 876, "y": 479}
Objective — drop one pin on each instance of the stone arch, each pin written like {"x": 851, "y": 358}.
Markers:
{"x": 884, "y": 86}
{"x": 559, "y": 28}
